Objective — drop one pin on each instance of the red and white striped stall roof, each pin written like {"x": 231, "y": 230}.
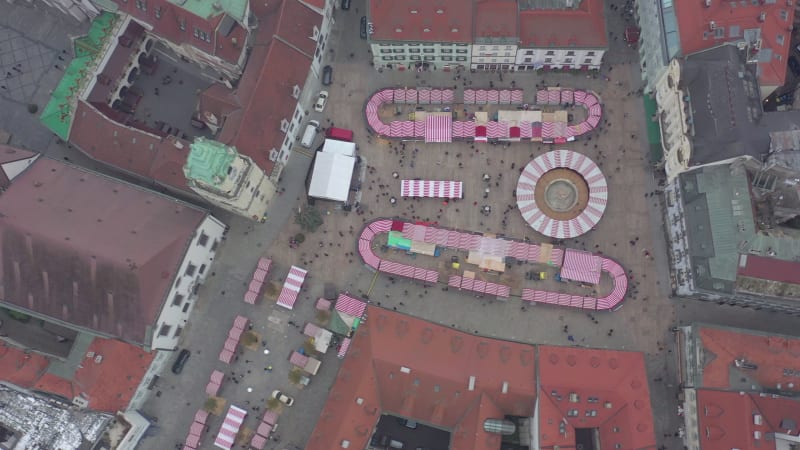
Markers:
{"x": 581, "y": 266}
{"x": 350, "y": 305}
{"x": 431, "y": 188}
{"x": 291, "y": 287}
{"x": 230, "y": 427}
{"x": 439, "y": 127}
{"x": 343, "y": 347}
{"x": 562, "y": 229}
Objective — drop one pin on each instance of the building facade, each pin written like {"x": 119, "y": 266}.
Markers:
{"x": 570, "y": 35}
{"x": 227, "y": 179}
{"x": 420, "y": 35}
{"x": 495, "y": 35}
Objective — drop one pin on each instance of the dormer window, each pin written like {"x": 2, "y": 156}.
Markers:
{"x": 296, "y": 91}
{"x": 315, "y": 33}
{"x": 284, "y": 125}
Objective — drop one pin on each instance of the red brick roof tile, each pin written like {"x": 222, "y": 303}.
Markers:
{"x": 611, "y": 383}
{"x": 402, "y": 365}
{"x": 276, "y": 66}
{"x": 20, "y": 368}
{"x": 496, "y": 19}
{"x": 168, "y": 26}
{"x": 118, "y": 246}
{"x": 444, "y": 20}
{"x": 694, "y": 19}
{"x": 97, "y": 133}
{"x": 727, "y": 419}
{"x": 109, "y": 385}
{"x": 584, "y": 27}
{"x": 771, "y": 355}
{"x": 773, "y": 269}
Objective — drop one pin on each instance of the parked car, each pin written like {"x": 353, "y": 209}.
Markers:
{"x": 283, "y": 398}
{"x": 327, "y": 75}
{"x": 345, "y": 4}
{"x": 794, "y": 66}
{"x": 177, "y": 366}
{"x": 322, "y": 100}
{"x": 409, "y": 423}
{"x": 363, "y": 31}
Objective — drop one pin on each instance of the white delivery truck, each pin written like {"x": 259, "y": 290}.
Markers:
{"x": 310, "y": 134}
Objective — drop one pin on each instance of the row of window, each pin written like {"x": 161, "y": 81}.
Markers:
{"x": 423, "y": 45}
{"x": 550, "y": 60}
{"x": 425, "y": 50}
{"x": 496, "y": 47}
{"x": 202, "y": 35}
{"x": 427, "y": 58}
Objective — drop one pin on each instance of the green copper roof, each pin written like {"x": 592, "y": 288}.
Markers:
{"x": 102, "y": 27}
{"x": 208, "y": 161}
{"x": 211, "y": 8}
{"x": 57, "y": 115}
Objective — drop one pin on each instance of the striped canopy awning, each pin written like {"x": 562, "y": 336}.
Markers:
{"x": 439, "y": 128}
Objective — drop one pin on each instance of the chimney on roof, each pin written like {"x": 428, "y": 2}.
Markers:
{"x": 471, "y": 386}
{"x": 762, "y": 17}
{"x": 708, "y": 3}
{"x": 110, "y": 303}
{"x": 46, "y": 284}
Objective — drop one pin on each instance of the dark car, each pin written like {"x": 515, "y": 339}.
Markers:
{"x": 327, "y": 75}
{"x": 345, "y": 4}
{"x": 794, "y": 65}
{"x": 177, "y": 366}
{"x": 363, "y": 27}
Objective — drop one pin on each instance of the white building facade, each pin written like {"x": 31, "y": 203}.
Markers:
{"x": 191, "y": 273}
{"x": 674, "y": 118}
{"x": 558, "y": 58}
{"x": 493, "y": 56}
{"x": 408, "y": 55}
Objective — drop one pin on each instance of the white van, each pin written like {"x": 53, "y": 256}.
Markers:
{"x": 310, "y": 134}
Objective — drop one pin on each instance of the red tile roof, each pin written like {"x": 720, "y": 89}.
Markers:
{"x": 727, "y": 419}
{"x": 445, "y": 20}
{"x": 496, "y": 19}
{"x": 168, "y": 27}
{"x": 280, "y": 61}
{"x": 131, "y": 149}
{"x": 20, "y": 368}
{"x": 694, "y": 18}
{"x": 406, "y": 366}
{"x": 584, "y": 27}
{"x": 109, "y": 385}
{"x": 772, "y": 354}
{"x": 611, "y": 383}
{"x": 773, "y": 269}
{"x": 110, "y": 261}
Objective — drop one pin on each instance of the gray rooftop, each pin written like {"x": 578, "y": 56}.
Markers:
{"x": 719, "y": 222}
{"x": 727, "y": 116}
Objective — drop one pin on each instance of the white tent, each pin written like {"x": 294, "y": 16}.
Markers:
{"x": 339, "y": 147}
{"x": 331, "y": 177}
